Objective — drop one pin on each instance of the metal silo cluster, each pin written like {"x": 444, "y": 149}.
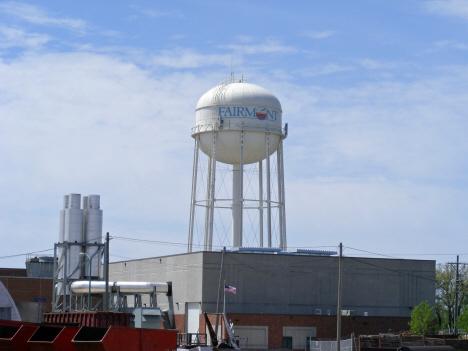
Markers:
{"x": 80, "y": 231}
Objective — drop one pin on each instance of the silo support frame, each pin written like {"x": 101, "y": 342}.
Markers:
{"x": 194, "y": 192}
{"x": 69, "y": 300}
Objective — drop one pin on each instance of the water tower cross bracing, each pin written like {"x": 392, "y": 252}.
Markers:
{"x": 238, "y": 129}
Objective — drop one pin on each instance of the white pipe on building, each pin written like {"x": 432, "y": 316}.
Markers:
{"x": 99, "y": 287}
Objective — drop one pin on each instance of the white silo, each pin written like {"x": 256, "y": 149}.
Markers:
{"x": 239, "y": 124}
{"x": 73, "y": 233}
{"x": 60, "y": 260}
{"x": 93, "y": 232}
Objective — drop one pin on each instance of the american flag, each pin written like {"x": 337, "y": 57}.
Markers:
{"x": 229, "y": 289}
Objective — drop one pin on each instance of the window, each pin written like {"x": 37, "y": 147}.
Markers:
{"x": 310, "y": 342}
{"x": 287, "y": 342}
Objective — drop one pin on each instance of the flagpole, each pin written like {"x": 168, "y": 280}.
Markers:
{"x": 224, "y": 305}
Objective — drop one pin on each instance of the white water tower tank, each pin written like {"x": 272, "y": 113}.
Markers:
{"x": 236, "y": 107}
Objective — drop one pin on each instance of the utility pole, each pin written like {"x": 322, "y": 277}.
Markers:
{"x": 106, "y": 266}
{"x": 219, "y": 291}
{"x": 457, "y": 290}
{"x": 455, "y": 315}
{"x": 338, "y": 312}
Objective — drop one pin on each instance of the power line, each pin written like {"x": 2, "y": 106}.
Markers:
{"x": 24, "y": 254}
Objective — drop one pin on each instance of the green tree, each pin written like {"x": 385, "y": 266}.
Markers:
{"x": 445, "y": 293}
{"x": 422, "y": 319}
{"x": 463, "y": 320}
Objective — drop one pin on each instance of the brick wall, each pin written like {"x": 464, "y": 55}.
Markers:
{"x": 179, "y": 321}
{"x": 13, "y": 272}
{"x": 30, "y": 290}
{"x": 326, "y": 325}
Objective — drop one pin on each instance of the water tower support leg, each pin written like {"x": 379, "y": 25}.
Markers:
{"x": 280, "y": 198}
{"x": 285, "y": 242}
{"x": 241, "y": 189}
{"x": 212, "y": 191}
{"x": 207, "y": 203}
{"x": 260, "y": 200}
{"x": 236, "y": 205}
{"x": 194, "y": 191}
{"x": 268, "y": 188}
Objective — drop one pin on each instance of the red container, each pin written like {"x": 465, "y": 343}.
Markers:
{"x": 15, "y": 323}
{"x": 158, "y": 340}
{"x": 15, "y": 338}
{"x": 89, "y": 319}
{"x": 111, "y": 339}
{"x": 53, "y": 338}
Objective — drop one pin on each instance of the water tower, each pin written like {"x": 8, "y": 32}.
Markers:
{"x": 238, "y": 127}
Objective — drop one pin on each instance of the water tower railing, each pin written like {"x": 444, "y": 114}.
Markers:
{"x": 238, "y": 126}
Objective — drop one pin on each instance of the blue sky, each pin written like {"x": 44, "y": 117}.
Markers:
{"x": 99, "y": 98}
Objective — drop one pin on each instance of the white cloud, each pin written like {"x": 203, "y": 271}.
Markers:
{"x": 14, "y": 37}
{"x": 187, "y": 58}
{"x": 178, "y": 36}
{"x": 444, "y": 44}
{"x": 270, "y": 46}
{"x": 34, "y": 14}
{"x": 111, "y": 33}
{"x": 319, "y": 35}
{"x": 454, "y": 8}
{"x": 378, "y": 64}
{"x": 329, "y": 68}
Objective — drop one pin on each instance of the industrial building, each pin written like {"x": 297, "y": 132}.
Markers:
{"x": 25, "y": 294}
{"x": 282, "y": 295}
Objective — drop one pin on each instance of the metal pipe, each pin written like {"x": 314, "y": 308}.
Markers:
{"x": 89, "y": 286}
{"x": 99, "y": 287}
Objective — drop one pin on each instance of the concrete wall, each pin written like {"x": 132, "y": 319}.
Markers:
{"x": 31, "y": 311}
{"x": 287, "y": 284}
{"x": 185, "y": 272}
